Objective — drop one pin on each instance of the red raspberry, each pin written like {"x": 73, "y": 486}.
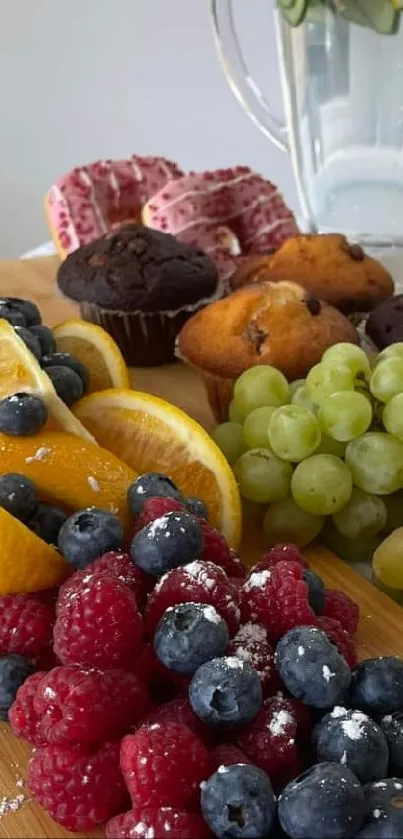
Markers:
{"x": 98, "y": 623}
{"x": 217, "y": 550}
{"x": 161, "y": 822}
{"x": 226, "y": 754}
{"x": 153, "y": 508}
{"x": 78, "y": 706}
{"x": 165, "y": 683}
{"x": 277, "y": 598}
{"x": 179, "y": 710}
{"x": 340, "y": 638}
{"x": 283, "y": 553}
{"x": 22, "y": 716}
{"x": 78, "y": 789}
{"x": 342, "y": 608}
{"x": 163, "y": 765}
{"x": 198, "y": 582}
{"x": 119, "y": 564}
{"x": 303, "y": 717}
{"x": 25, "y": 625}
{"x": 251, "y": 644}
{"x": 270, "y": 741}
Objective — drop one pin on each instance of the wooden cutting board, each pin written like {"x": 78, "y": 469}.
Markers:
{"x": 381, "y": 627}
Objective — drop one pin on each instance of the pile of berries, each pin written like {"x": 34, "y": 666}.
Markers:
{"x": 169, "y": 691}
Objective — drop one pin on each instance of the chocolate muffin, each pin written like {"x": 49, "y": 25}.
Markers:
{"x": 385, "y": 324}
{"x": 141, "y": 286}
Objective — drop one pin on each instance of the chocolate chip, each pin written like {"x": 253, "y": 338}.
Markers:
{"x": 313, "y": 305}
{"x": 356, "y": 252}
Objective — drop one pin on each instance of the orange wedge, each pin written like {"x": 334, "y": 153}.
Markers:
{"x": 96, "y": 349}
{"x": 150, "y": 434}
{"x": 20, "y": 371}
{"x": 26, "y": 562}
{"x": 68, "y": 471}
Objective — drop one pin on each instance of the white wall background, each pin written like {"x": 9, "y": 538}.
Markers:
{"x": 85, "y": 79}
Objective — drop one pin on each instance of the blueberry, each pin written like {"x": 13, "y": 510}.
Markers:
{"x": 26, "y": 312}
{"x": 225, "y": 692}
{"x": 354, "y": 740}
{"x": 188, "y": 635}
{"x": 45, "y": 337}
{"x": 17, "y": 495}
{"x": 171, "y": 540}
{"x": 383, "y": 818}
{"x": 64, "y": 359}
{"x": 311, "y": 667}
{"x": 392, "y": 727}
{"x": 327, "y": 801}
{"x": 316, "y": 591}
{"x": 238, "y": 801}
{"x": 30, "y": 341}
{"x": 197, "y": 507}
{"x": 67, "y": 384}
{"x": 14, "y": 669}
{"x": 377, "y": 685}
{"x": 151, "y": 485}
{"x": 88, "y": 534}
{"x": 46, "y": 522}
{"x": 22, "y": 415}
{"x": 11, "y": 315}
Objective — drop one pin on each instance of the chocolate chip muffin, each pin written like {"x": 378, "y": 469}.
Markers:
{"x": 280, "y": 324}
{"x": 385, "y": 324}
{"x": 327, "y": 266}
{"x": 141, "y": 286}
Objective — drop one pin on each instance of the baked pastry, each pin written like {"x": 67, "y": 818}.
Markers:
{"x": 92, "y": 200}
{"x": 279, "y": 324}
{"x": 327, "y": 266}
{"x": 141, "y": 286}
{"x": 192, "y": 206}
{"x": 385, "y": 324}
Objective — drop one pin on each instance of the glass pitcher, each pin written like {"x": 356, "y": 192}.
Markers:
{"x": 342, "y": 86}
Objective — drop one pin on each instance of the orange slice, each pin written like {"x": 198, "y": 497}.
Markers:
{"x": 26, "y": 562}
{"x": 150, "y": 434}
{"x": 68, "y": 471}
{"x": 20, "y": 371}
{"x": 97, "y": 350}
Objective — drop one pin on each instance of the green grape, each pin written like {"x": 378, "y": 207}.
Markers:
{"x": 234, "y": 414}
{"x": 321, "y": 484}
{"x": 394, "y": 506}
{"x": 330, "y": 446}
{"x": 294, "y": 432}
{"x": 345, "y": 415}
{"x": 322, "y": 380}
{"x": 387, "y": 379}
{"x": 258, "y": 386}
{"x": 364, "y": 515}
{"x": 392, "y": 416}
{"x": 262, "y": 476}
{"x": 256, "y": 427}
{"x": 229, "y": 438}
{"x": 286, "y": 522}
{"x": 349, "y": 355}
{"x": 393, "y": 351}
{"x": 387, "y": 563}
{"x": 295, "y": 385}
{"x": 376, "y": 462}
{"x": 301, "y": 397}
{"x": 352, "y": 550}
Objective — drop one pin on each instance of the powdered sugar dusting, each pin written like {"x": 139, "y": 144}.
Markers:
{"x": 233, "y": 662}
{"x": 156, "y": 526}
{"x": 353, "y": 727}
{"x": 257, "y": 579}
{"x": 338, "y": 711}
{"x": 279, "y": 723}
{"x": 40, "y": 454}
{"x": 251, "y": 632}
{"x": 199, "y": 572}
{"x": 12, "y": 803}
{"x": 327, "y": 673}
{"x": 211, "y": 614}
{"x": 93, "y": 483}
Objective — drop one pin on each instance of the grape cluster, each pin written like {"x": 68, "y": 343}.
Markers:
{"x": 324, "y": 453}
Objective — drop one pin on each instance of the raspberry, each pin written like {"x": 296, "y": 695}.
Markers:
{"x": 179, "y": 710}
{"x": 161, "y": 822}
{"x": 22, "y": 716}
{"x": 217, "y": 550}
{"x": 226, "y": 754}
{"x": 342, "y": 608}
{"x": 155, "y": 507}
{"x": 119, "y": 564}
{"x": 270, "y": 741}
{"x": 340, "y": 638}
{"x": 277, "y": 598}
{"x": 78, "y": 789}
{"x": 163, "y": 765}
{"x": 303, "y": 717}
{"x": 98, "y": 623}
{"x": 251, "y": 644}
{"x": 25, "y": 625}
{"x": 78, "y": 706}
{"x": 198, "y": 582}
{"x": 283, "y": 553}
{"x": 163, "y": 681}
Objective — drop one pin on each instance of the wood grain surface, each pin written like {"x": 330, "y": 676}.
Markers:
{"x": 381, "y": 626}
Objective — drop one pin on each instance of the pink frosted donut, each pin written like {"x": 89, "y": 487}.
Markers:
{"x": 192, "y": 206}
{"x": 91, "y": 200}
